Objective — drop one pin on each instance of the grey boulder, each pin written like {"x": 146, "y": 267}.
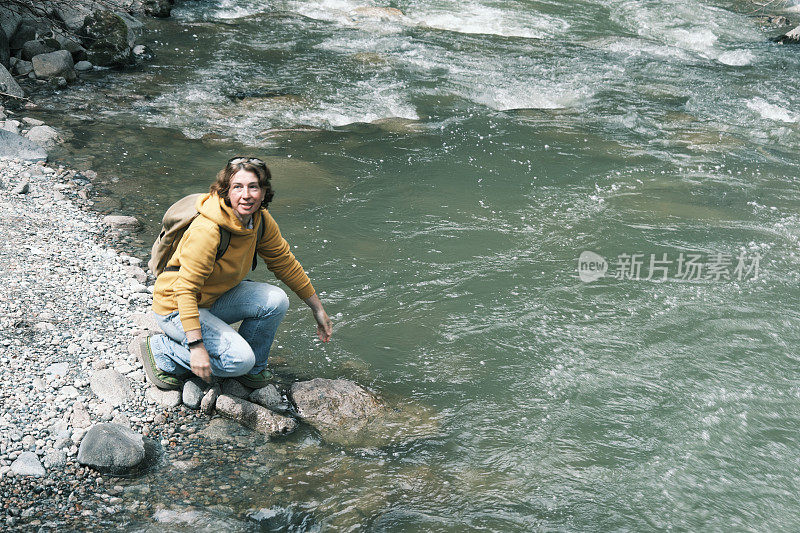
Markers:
{"x": 36, "y": 47}
{"x": 9, "y": 85}
{"x": 254, "y": 416}
{"x": 209, "y": 401}
{"x": 15, "y": 146}
{"x": 192, "y": 393}
{"x": 234, "y": 388}
{"x": 122, "y": 222}
{"x": 54, "y": 64}
{"x": 109, "y": 37}
{"x": 111, "y": 386}
{"x": 334, "y": 404}
{"x": 112, "y": 448}
{"x": 44, "y": 136}
{"x": 163, "y": 398}
{"x": 268, "y": 397}
{"x": 27, "y": 464}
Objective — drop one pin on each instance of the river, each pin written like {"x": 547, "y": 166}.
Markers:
{"x": 439, "y": 173}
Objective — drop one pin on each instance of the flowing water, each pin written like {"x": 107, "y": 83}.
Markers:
{"x": 438, "y": 173}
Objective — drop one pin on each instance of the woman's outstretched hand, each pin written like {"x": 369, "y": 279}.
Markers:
{"x": 324, "y": 326}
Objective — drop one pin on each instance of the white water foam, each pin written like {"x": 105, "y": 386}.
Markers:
{"x": 771, "y": 111}
{"x": 736, "y": 58}
{"x": 483, "y": 18}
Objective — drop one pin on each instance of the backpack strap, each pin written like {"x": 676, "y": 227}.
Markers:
{"x": 224, "y": 242}
{"x": 258, "y": 240}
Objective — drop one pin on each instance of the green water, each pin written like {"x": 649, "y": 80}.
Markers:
{"x": 438, "y": 176}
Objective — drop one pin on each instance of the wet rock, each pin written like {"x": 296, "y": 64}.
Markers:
{"x": 53, "y": 65}
{"x": 75, "y": 49}
{"x": 5, "y": 51}
{"x": 26, "y": 31}
{"x": 192, "y": 393}
{"x": 254, "y": 416}
{"x": 109, "y": 37}
{"x": 375, "y": 13}
{"x": 790, "y": 37}
{"x": 33, "y": 48}
{"x": 157, "y": 8}
{"x": 164, "y": 398}
{"x": 112, "y": 448}
{"x": 111, "y": 386}
{"x": 268, "y": 397}
{"x": 142, "y": 53}
{"x": 209, "y": 401}
{"x": 122, "y": 222}
{"x": 22, "y": 188}
{"x": 9, "y": 21}
{"x": 332, "y": 404}
{"x": 83, "y": 66}
{"x": 23, "y": 68}
{"x": 234, "y": 388}
{"x": 9, "y": 85}
{"x": 27, "y": 464}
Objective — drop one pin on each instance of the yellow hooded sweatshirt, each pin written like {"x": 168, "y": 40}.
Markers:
{"x": 200, "y": 280}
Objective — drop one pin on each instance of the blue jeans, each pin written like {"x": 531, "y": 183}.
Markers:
{"x": 261, "y": 308}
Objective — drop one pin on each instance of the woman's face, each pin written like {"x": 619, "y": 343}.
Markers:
{"x": 245, "y": 194}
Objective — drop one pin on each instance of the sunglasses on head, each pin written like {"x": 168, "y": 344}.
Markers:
{"x": 238, "y": 160}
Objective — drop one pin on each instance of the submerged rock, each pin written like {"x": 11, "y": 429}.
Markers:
{"x": 112, "y": 448}
{"x": 254, "y": 416}
{"x": 332, "y": 404}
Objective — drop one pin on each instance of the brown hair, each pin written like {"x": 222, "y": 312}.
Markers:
{"x": 251, "y": 164}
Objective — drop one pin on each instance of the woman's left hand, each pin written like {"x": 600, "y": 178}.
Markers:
{"x": 324, "y": 327}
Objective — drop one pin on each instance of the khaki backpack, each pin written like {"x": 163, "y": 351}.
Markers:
{"x": 173, "y": 226}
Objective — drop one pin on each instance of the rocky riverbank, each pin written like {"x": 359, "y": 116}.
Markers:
{"x": 76, "y": 411}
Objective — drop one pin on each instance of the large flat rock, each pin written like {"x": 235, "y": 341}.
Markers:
{"x": 14, "y": 146}
{"x": 334, "y": 404}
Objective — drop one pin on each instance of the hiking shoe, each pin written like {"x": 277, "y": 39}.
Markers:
{"x": 159, "y": 378}
{"x": 255, "y": 381}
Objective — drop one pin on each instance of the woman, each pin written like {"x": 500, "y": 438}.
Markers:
{"x": 198, "y": 296}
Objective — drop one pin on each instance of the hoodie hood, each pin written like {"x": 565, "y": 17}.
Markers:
{"x": 214, "y": 208}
